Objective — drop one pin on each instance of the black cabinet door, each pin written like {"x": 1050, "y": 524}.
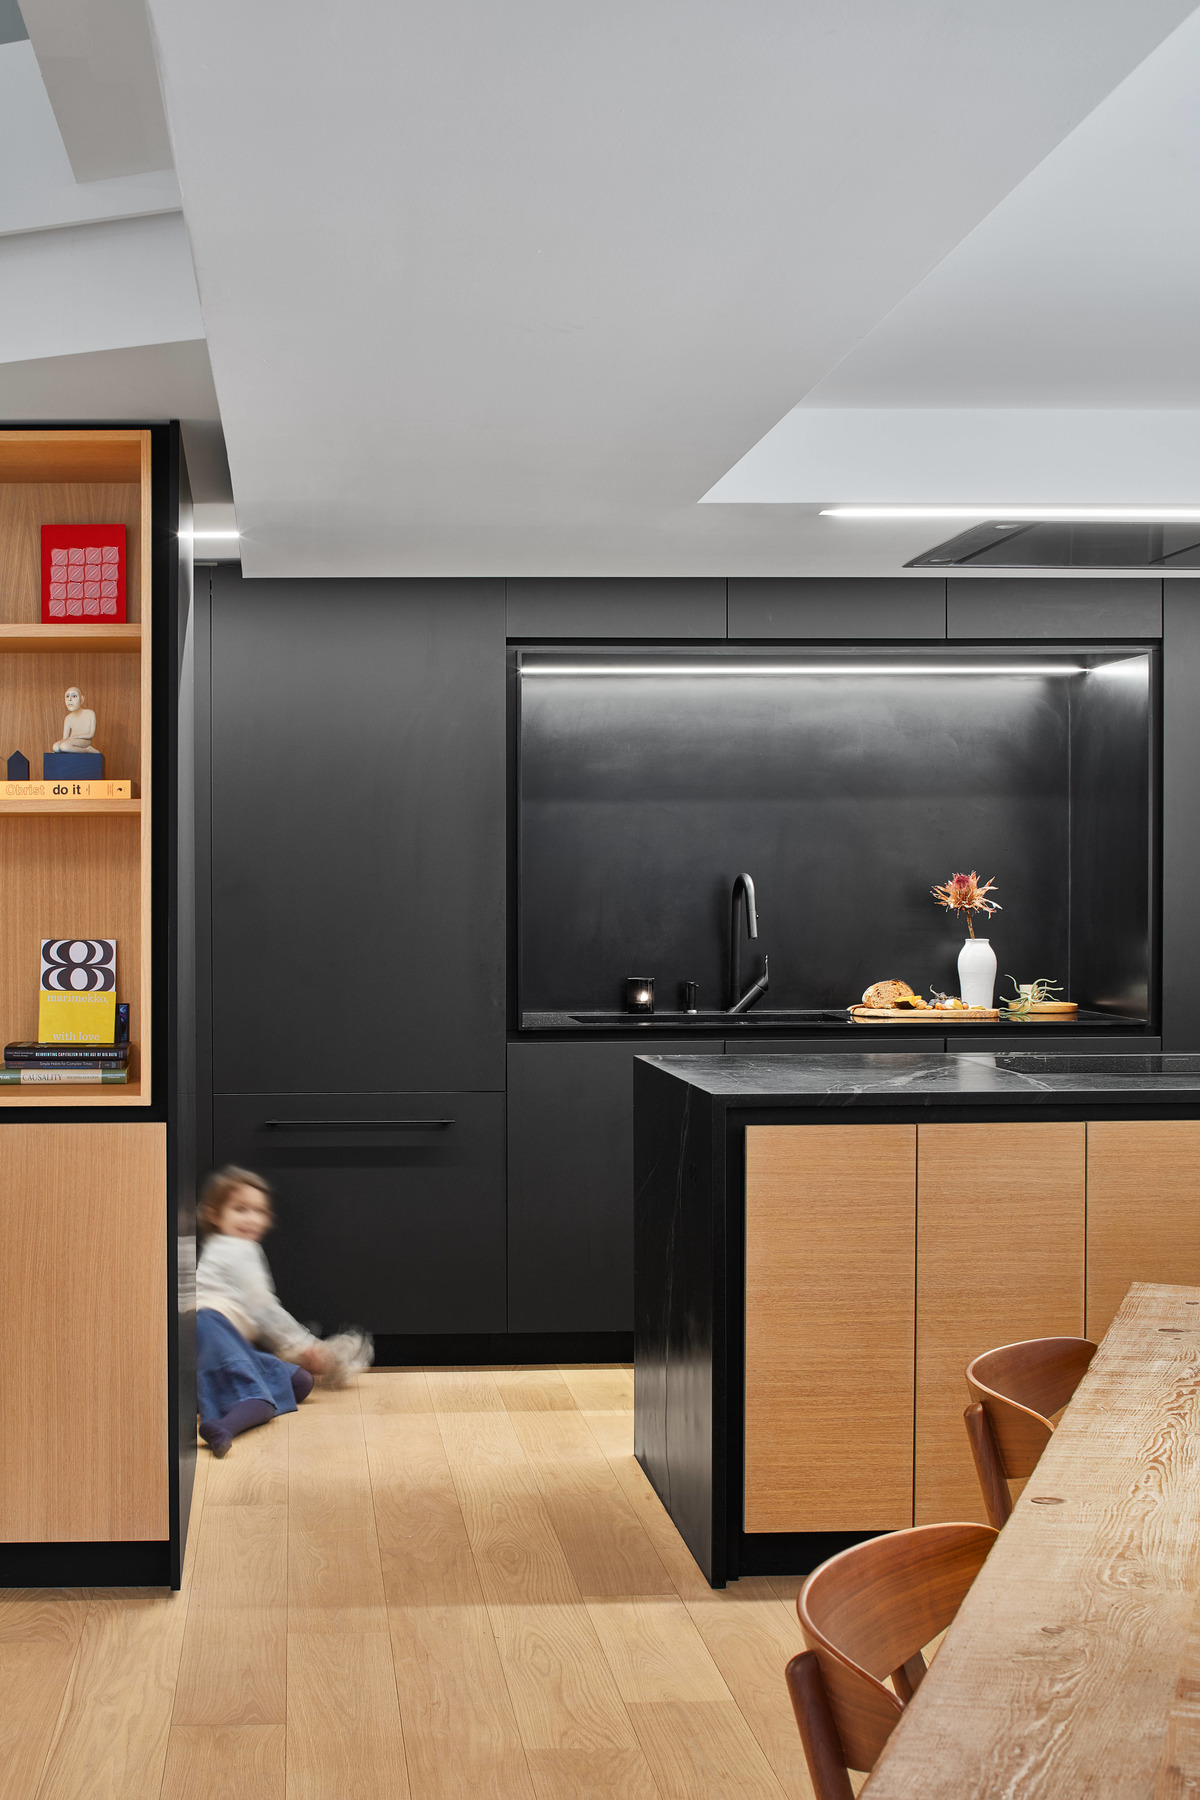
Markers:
{"x": 670, "y": 607}
{"x": 389, "y": 1207}
{"x": 570, "y": 1184}
{"x": 1064, "y": 606}
{"x": 838, "y": 606}
{"x": 358, "y": 835}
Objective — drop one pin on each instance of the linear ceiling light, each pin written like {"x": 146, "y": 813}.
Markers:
{"x": 216, "y": 534}
{"x": 1149, "y": 515}
{"x": 812, "y": 668}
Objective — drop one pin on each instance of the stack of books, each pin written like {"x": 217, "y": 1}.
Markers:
{"x": 39, "y": 1065}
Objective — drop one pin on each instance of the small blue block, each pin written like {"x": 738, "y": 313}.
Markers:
{"x": 18, "y": 767}
{"x": 72, "y": 765}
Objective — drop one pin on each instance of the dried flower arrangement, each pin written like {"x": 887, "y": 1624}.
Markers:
{"x": 967, "y": 894}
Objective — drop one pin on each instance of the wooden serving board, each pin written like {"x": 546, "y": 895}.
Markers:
{"x": 1045, "y": 1011}
{"x": 906, "y": 1015}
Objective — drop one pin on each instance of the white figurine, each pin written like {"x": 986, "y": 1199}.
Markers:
{"x": 79, "y": 726}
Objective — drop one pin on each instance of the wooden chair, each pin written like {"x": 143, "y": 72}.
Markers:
{"x": 866, "y": 1614}
{"x": 1013, "y": 1391}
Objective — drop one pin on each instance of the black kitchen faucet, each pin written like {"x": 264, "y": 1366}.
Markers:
{"x": 743, "y": 889}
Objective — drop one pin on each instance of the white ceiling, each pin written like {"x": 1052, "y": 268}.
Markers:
{"x": 512, "y": 290}
{"x": 99, "y": 315}
{"x": 507, "y": 289}
{"x": 97, "y": 60}
{"x": 1081, "y": 289}
{"x": 38, "y": 187}
{"x": 1054, "y": 355}
{"x": 97, "y": 287}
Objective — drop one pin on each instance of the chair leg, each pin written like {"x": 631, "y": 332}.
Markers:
{"x": 822, "y": 1746}
{"x": 993, "y": 1482}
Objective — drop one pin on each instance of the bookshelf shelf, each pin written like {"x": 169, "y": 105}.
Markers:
{"x": 51, "y": 809}
{"x": 67, "y": 640}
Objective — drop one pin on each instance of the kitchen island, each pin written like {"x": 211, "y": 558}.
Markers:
{"x": 824, "y": 1242}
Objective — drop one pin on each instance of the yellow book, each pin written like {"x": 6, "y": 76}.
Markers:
{"x": 76, "y": 1018}
{"x": 68, "y": 790}
{"x": 77, "y": 998}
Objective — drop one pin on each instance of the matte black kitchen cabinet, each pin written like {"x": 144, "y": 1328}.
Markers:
{"x": 358, "y": 835}
{"x": 1180, "y": 823}
{"x": 1065, "y": 606}
{"x": 691, "y": 607}
{"x": 570, "y": 1182}
{"x": 390, "y": 1207}
{"x": 838, "y": 607}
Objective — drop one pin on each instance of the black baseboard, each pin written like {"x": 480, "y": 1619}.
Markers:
{"x": 789, "y": 1552}
{"x": 441, "y": 1350}
{"x": 85, "y": 1565}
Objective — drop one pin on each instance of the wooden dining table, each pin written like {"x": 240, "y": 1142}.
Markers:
{"x": 1072, "y": 1668}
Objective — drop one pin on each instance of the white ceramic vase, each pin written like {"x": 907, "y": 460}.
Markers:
{"x": 977, "y": 972}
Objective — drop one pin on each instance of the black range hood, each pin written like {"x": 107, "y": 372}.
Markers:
{"x": 1055, "y": 544}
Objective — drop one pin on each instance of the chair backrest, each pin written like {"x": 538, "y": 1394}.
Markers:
{"x": 1019, "y": 1386}
{"x": 866, "y": 1614}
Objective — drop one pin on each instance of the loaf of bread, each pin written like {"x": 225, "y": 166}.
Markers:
{"x": 886, "y": 993}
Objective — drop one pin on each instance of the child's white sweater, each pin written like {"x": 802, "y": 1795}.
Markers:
{"x": 233, "y": 1277}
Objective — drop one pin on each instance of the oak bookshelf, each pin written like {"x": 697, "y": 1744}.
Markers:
{"x": 76, "y": 868}
{"x": 98, "y": 1221}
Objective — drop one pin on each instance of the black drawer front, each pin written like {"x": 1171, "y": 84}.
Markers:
{"x": 390, "y": 1208}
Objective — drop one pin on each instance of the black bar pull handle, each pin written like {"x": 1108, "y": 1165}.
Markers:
{"x": 357, "y": 1124}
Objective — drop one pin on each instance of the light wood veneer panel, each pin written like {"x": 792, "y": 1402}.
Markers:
{"x": 1000, "y": 1257}
{"x": 80, "y": 638}
{"x": 83, "y": 1332}
{"x": 68, "y": 877}
{"x": 84, "y": 453}
{"x": 1143, "y": 1211}
{"x": 830, "y": 1303}
{"x": 26, "y": 506}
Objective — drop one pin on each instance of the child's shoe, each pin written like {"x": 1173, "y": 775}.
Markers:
{"x": 347, "y": 1355}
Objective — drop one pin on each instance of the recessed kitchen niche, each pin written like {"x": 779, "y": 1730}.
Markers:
{"x": 846, "y": 782}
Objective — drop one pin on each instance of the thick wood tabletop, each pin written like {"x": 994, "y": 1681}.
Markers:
{"x": 1073, "y": 1666}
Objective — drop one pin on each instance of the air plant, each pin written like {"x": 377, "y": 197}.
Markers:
{"x": 1028, "y": 995}
{"x": 966, "y": 894}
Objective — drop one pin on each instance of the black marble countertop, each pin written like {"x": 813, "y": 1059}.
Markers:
{"x": 896, "y": 1078}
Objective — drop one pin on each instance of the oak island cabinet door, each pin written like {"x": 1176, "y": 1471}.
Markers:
{"x": 1000, "y": 1258}
{"x": 1143, "y": 1210}
{"x": 389, "y": 1207}
{"x": 830, "y": 1240}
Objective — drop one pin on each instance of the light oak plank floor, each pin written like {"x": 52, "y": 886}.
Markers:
{"x": 441, "y": 1584}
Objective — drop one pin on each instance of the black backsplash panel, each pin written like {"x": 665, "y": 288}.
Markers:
{"x": 846, "y": 797}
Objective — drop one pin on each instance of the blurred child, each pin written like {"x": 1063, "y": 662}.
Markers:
{"x": 238, "y": 1384}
